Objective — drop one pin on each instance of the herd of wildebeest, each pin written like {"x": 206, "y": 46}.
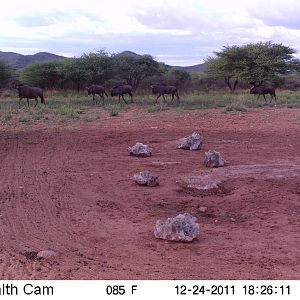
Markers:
{"x": 31, "y": 92}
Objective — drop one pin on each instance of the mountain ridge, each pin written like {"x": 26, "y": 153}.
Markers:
{"x": 20, "y": 61}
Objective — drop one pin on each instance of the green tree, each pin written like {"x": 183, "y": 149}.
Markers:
{"x": 227, "y": 65}
{"x": 267, "y": 62}
{"x": 182, "y": 77}
{"x": 73, "y": 73}
{"x": 88, "y": 69}
{"x": 6, "y": 74}
{"x": 135, "y": 69}
{"x": 45, "y": 75}
{"x": 254, "y": 63}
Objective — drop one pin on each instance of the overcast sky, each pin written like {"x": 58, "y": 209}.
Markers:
{"x": 177, "y": 32}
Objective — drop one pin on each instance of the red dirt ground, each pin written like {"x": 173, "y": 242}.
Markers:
{"x": 67, "y": 187}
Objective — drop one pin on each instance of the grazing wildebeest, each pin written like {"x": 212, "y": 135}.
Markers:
{"x": 30, "y": 92}
{"x": 162, "y": 89}
{"x": 262, "y": 90}
{"x": 97, "y": 89}
{"x": 121, "y": 90}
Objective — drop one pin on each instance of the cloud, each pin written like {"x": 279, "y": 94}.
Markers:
{"x": 177, "y": 32}
{"x": 277, "y": 13}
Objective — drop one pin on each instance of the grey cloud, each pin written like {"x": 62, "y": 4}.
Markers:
{"x": 171, "y": 49}
{"x": 277, "y": 14}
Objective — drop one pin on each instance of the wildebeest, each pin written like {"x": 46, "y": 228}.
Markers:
{"x": 262, "y": 90}
{"x": 121, "y": 90}
{"x": 95, "y": 89}
{"x": 162, "y": 89}
{"x": 30, "y": 92}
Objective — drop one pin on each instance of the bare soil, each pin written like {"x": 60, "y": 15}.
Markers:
{"x": 68, "y": 188}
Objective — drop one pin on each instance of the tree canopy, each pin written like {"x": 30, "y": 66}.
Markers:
{"x": 98, "y": 68}
{"x": 254, "y": 63}
{"x": 135, "y": 69}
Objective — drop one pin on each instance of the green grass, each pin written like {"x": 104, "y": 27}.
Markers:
{"x": 25, "y": 119}
{"x": 235, "y": 107}
{"x": 70, "y": 105}
{"x": 69, "y": 111}
{"x": 154, "y": 109}
{"x": 7, "y": 114}
{"x": 90, "y": 117}
{"x": 115, "y": 108}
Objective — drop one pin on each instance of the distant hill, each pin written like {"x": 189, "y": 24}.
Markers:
{"x": 200, "y": 68}
{"x": 20, "y": 61}
{"x": 129, "y": 54}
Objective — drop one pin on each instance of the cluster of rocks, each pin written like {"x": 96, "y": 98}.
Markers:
{"x": 212, "y": 158}
{"x": 183, "y": 227}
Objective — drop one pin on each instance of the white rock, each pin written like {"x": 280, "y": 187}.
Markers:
{"x": 193, "y": 142}
{"x": 146, "y": 178}
{"x": 47, "y": 254}
{"x": 213, "y": 159}
{"x": 182, "y": 228}
{"x": 203, "y": 209}
{"x": 140, "y": 150}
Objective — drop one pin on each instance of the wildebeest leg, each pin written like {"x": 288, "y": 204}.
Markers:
{"x": 119, "y": 98}
{"x": 20, "y": 102}
{"x": 102, "y": 96}
{"x": 36, "y": 102}
{"x": 164, "y": 97}
{"x": 130, "y": 94}
{"x": 172, "y": 97}
{"x": 157, "y": 98}
{"x": 275, "y": 97}
{"x": 28, "y": 102}
{"x": 265, "y": 98}
{"x": 177, "y": 96}
{"x": 94, "y": 99}
{"x": 123, "y": 98}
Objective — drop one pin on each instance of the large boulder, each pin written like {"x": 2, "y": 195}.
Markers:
{"x": 139, "y": 150}
{"x": 146, "y": 178}
{"x": 213, "y": 159}
{"x": 182, "y": 228}
{"x": 192, "y": 142}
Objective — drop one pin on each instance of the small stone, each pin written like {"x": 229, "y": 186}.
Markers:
{"x": 139, "y": 150}
{"x": 47, "y": 254}
{"x": 182, "y": 228}
{"x": 193, "y": 142}
{"x": 146, "y": 178}
{"x": 213, "y": 159}
{"x": 203, "y": 209}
